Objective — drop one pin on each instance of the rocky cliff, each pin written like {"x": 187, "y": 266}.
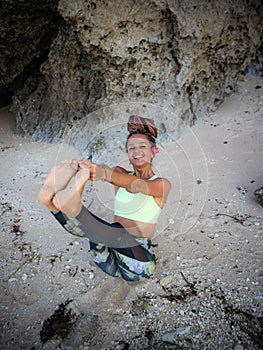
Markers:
{"x": 75, "y": 68}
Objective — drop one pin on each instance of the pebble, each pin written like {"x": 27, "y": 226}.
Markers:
{"x": 238, "y": 347}
{"x": 167, "y": 280}
{"x": 183, "y": 330}
{"x": 24, "y": 277}
{"x": 169, "y": 337}
{"x": 12, "y": 279}
{"x": 91, "y": 275}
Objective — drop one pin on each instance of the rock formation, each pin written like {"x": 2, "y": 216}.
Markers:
{"x": 27, "y": 29}
{"x": 171, "y": 60}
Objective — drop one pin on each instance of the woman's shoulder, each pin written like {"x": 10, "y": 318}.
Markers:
{"x": 163, "y": 179}
{"x": 119, "y": 169}
{"x": 157, "y": 178}
{"x": 162, "y": 182}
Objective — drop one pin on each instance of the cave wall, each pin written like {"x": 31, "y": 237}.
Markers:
{"x": 27, "y": 29}
{"x": 171, "y": 60}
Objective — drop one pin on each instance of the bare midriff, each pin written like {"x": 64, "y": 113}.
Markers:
{"x": 136, "y": 228}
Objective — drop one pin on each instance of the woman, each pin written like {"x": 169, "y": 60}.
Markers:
{"x": 122, "y": 248}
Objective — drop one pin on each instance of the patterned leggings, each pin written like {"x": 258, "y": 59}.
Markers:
{"x": 114, "y": 250}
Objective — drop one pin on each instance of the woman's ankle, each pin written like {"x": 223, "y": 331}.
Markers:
{"x": 46, "y": 197}
{"x": 69, "y": 206}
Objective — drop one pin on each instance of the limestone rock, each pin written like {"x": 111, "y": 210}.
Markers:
{"x": 171, "y": 60}
{"x": 27, "y": 29}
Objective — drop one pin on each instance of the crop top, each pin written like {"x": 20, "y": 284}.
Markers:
{"x": 136, "y": 206}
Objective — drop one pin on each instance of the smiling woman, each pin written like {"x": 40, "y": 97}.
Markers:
{"x": 137, "y": 148}
{"x": 122, "y": 248}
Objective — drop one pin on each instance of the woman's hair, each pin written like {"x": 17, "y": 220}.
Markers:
{"x": 143, "y": 126}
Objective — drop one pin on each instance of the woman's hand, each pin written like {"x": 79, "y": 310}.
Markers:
{"x": 97, "y": 171}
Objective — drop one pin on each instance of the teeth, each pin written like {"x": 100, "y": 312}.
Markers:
{"x": 136, "y": 157}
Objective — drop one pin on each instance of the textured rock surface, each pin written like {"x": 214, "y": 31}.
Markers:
{"x": 66, "y": 92}
{"x": 172, "y": 60}
{"x": 27, "y": 28}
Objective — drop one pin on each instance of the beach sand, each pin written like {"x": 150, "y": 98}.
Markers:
{"x": 206, "y": 292}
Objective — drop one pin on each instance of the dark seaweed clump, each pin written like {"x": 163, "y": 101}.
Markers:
{"x": 58, "y": 324}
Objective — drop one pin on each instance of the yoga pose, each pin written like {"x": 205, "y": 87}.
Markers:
{"x": 122, "y": 248}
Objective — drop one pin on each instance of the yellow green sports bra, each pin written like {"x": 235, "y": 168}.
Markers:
{"x": 136, "y": 206}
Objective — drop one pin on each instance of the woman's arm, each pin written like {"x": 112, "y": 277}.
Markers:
{"x": 159, "y": 187}
{"x": 119, "y": 177}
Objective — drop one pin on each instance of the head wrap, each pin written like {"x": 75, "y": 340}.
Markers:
{"x": 144, "y": 126}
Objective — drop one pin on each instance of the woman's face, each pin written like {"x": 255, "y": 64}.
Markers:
{"x": 139, "y": 150}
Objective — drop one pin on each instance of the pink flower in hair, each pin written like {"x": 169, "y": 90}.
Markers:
{"x": 155, "y": 150}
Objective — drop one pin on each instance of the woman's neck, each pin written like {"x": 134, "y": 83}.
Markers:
{"x": 144, "y": 174}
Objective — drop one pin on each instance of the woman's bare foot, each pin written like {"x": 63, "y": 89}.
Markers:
{"x": 58, "y": 178}
{"x": 69, "y": 200}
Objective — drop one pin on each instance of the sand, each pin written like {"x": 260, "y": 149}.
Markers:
{"x": 209, "y": 238}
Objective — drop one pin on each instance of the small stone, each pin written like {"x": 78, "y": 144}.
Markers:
{"x": 12, "y": 279}
{"x": 91, "y": 275}
{"x": 167, "y": 280}
{"x": 183, "y": 330}
{"x": 168, "y": 337}
{"x": 24, "y": 277}
{"x": 239, "y": 347}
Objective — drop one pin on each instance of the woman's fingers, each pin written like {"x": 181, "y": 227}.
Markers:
{"x": 97, "y": 171}
{"x": 84, "y": 162}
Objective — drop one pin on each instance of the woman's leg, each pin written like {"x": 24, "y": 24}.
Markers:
{"x": 104, "y": 257}
{"x": 92, "y": 227}
{"x": 58, "y": 178}
{"x": 69, "y": 199}
{"x": 99, "y": 231}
